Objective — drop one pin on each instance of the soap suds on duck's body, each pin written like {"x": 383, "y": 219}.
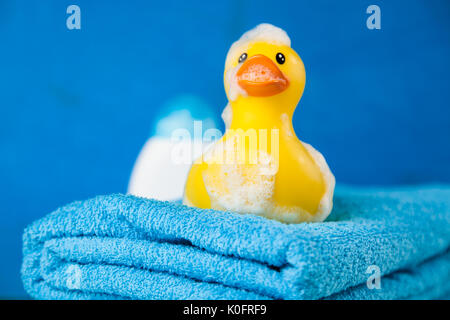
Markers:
{"x": 286, "y": 125}
{"x": 227, "y": 115}
{"x": 326, "y": 204}
{"x": 242, "y": 188}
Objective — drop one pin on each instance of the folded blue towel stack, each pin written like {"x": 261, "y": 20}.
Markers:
{"x": 126, "y": 247}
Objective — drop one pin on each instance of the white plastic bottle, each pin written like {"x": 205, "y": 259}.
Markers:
{"x": 161, "y": 168}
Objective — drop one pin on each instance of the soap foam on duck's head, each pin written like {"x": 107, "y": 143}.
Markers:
{"x": 263, "y": 64}
{"x": 263, "y": 32}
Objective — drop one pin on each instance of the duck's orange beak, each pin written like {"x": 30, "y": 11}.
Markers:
{"x": 260, "y": 77}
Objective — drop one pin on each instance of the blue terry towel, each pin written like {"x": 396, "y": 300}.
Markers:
{"x": 121, "y": 246}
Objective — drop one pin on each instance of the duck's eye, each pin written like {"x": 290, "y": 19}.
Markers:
{"x": 242, "y": 57}
{"x": 280, "y": 58}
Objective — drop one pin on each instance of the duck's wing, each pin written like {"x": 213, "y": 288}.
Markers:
{"x": 326, "y": 203}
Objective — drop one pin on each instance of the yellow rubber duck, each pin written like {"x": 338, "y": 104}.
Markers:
{"x": 259, "y": 166}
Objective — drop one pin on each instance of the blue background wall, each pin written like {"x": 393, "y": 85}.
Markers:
{"x": 76, "y": 106}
